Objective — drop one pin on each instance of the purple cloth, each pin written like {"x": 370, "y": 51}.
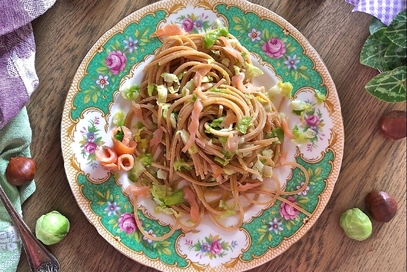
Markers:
{"x": 384, "y": 10}
{"x": 18, "y": 78}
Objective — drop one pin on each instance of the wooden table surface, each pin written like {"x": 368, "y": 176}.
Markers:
{"x": 66, "y": 32}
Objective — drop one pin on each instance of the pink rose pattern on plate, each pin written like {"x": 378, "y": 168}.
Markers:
{"x": 287, "y": 211}
{"x": 313, "y": 120}
{"x": 274, "y": 45}
{"x": 127, "y": 223}
{"x": 274, "y": 48}
{"x": 112, "y": 67}
{"x": 193, "y": 23}
{"x": 91, "y": 139}
{"x": 122, "y": 220}
{"x": 116, "y": 61}
{"x": 285, "y": 216}
{"x": 211, "y": 247}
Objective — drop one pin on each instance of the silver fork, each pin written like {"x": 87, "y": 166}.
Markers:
{"x": 39, "y": 258}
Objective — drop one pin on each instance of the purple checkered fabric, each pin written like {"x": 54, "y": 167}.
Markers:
{"x": 384, "y": 10}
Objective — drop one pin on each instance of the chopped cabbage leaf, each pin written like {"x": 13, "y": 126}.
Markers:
{"x": 118, "y": 118}
{"x": 146, "y": 159}
{"x": 281, "y": 88}
{"x": 179, "y": 164}
{"x": 252, "y": 71}
{"x": 119, "y": 135}
{"x": 131, "y": 93}
{"x": 244, "y": 124}
{"x": 210, "y": 37}
{"x": 162, "y": 95}
{"x": 216, "y": 123}
{"x": 137, "y": 170}
{"x": 170, "y": 78}
{"x": 299, "y": 136}
{"x": 161, "y": 174}
{"x": 228, "y": 211}
{"x": 165, "y": 197}
{"x": 320, "y": 97}
{"x": 167, "y": 210}
{"x": 299, "y": 107}
{"x": 279, "y": 133}
{"x": 150, "y": 89}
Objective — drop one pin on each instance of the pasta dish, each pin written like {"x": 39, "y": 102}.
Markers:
{"x": 201, "y": 138}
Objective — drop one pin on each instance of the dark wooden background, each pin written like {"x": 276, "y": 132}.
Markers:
{"x": 70, "y": 28}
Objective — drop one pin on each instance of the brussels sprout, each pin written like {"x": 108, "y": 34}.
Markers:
{"x": 356, "y": 224}
{"x": 51, "y": 228}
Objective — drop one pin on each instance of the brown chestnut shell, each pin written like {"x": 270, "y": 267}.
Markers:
{"x": 393, "y": 125}
{"x": 20, "y": 170}
{"x": 381, "y": 206}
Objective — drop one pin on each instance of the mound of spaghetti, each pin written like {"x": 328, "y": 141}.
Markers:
{"x": 201, "y": 138}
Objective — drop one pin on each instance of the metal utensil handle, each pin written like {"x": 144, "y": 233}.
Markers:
{"x": 39, "y": 258}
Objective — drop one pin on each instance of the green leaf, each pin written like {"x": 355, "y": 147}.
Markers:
{"x": 261, "y": 238}
{"x": 102, "y": 70}
{"x": 238, "y": 28}
{"x": 166, "y": 251}
{"x": 373, "y": 50}
{"x": 296, "y": 75}
{"x": 225, "y": 245}
{"x": 86, "y": 99}
{"x": 244, "y": 21}
{"x": 265, "y": 35}
{"x": 396, "y": 31}
{"x": 262, "y": 230}
{"x": 95, "y": 98}
{"x": 290, "y": 48}
{"x": 395, "y": 56}
{"x": 145, "y": 33}
{"x": 303, "y": 200}
{"x": 375, "y": 25}
{"x": 389, "y": 86}
{"x": 117, "y": 44}
{"x": 318, "y": 171}
{"x": 236, "y": 19}
{"x": 197, "y": 246}
{"x": 303, "y": 74}
{"x": 165, "y": 243}
{"x": 137, "y": 236}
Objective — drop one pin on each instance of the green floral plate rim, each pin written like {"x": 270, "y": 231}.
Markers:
{"x": 118, "y": 57}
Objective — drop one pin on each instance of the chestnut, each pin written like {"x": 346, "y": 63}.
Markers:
{"x": 21, "y": 170}
{"x": 393, "y": 125}
{"x": 381, "y": 206}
